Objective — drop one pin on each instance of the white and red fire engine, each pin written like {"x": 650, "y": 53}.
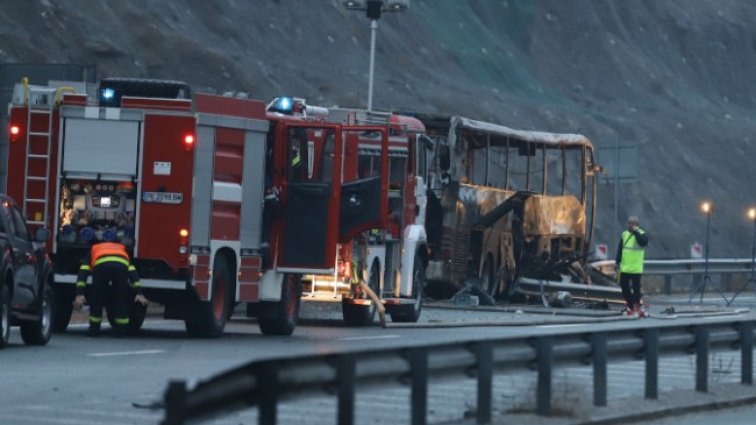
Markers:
{"x": 381, "y": 238}
{"x": 181, "y": 179}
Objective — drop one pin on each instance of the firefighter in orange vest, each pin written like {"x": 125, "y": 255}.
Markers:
{"x": 109, "y": 264}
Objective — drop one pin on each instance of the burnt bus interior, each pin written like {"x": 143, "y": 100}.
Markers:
{"x": 504, "y": 203}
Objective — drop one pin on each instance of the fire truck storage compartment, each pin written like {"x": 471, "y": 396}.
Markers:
{"x": 107, "y": 148}
{"x": 96, "y": 210}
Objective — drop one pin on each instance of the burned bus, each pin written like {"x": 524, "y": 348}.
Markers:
{"x": 506, "y": 203}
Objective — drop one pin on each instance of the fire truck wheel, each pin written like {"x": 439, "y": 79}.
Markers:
{"x": 411, "y": 312}
{"x": 280, "y": 318}
{"x": 362, "y": 314}
{"x": 211, "y": 317}
{"x": 62, "y": 308}
{"x": 4, "y": 316}
{"x": 39, "y": 332}
{"x": 490, "y": 280}
{"x": 136, "y": 316}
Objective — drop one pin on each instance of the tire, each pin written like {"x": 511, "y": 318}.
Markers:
{"x": 5, "y": 316}
{"x": 508, "y": 280}
{"x": 359, "y": 314}
{"x": 210, "y": 320}
{"x": 39, "y": 332}
{"x": 490, "y": 279}
{"x": 411, "y": 313}
{"x": 63, "y": 309}
{"x": 280, "y": 318}
{"x": 137, "y": 314}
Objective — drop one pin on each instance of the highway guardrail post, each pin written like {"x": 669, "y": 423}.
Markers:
{"x": 267, "y": 392}
{"x": 702, "y": 358}
{"x": 746, "y": 353}
{"x": 544, "y": 354}
{"x": 175, "y": 403}
{"x": 345, "y": 376}
{"x": 598, "y": 342}
{"x": 419, "y": 383}
{"x": 484, "y": 356}
{"x": 651, "y": 339}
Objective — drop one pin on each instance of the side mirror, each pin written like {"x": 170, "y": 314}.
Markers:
{"x": 444, "y": 157}
{"x": 41, "y": 235}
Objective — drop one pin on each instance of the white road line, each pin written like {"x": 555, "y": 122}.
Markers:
{"x": 365, "y": 338}
{"x": 93, "y": 412}
{"x": 126, "y": 353}
{"x": 563, "y": 325}
{"x": 36, "y": 419}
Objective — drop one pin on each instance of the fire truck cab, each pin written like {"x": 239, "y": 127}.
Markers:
{"x": 182, "y": 180}
{"x": 381, "y": 238}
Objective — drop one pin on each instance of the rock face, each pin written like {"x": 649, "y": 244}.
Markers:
{"x": 673, "y": 78}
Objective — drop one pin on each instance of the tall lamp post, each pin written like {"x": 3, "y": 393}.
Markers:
{"x": 707, "y": 208}
{"x": 373, "y": 10}
{"x": 752, "y": 278}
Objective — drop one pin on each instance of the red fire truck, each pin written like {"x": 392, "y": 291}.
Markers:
{"x": 181, "y": 179}
{"x": 382, "y": 234}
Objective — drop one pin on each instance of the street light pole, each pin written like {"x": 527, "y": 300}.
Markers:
{"x": 752, "y": 278}
{"x": 373, "y": 10}
{"x": 707, "y": 208}
{"x": 373, "y": 31}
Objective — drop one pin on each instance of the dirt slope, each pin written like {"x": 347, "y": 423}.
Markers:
{"x": 672, "y": 76}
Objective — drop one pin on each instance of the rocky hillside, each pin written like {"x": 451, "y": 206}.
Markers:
{"x": 672, "y": 77}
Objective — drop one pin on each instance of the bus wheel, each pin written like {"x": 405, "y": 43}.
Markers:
{"x": 212, "y": 315}
{"x": 362, "y": 314}
{"x": 280, "y": 317}
{"x": 507, "y": 279}
{"x": 411, "y": 312}
{"x": 490, "y": 278}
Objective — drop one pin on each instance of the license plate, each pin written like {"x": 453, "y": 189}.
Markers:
{"x": 163, "y": 197}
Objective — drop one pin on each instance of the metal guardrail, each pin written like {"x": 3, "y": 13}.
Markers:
{"x": 267, "y": 382}
{"x": 666, "y": 268}
{"x": 689, "y": 266}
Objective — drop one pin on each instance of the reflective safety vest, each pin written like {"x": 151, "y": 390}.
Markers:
{"x": 632, "y": 253}
{"x": 108, "y": 251}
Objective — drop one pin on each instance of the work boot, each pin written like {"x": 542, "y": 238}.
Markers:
{"x": 642, "y": 313}
{"x": 93, "y": 331}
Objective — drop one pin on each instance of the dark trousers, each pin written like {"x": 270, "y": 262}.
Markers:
{"x": 110, "y": 283}
{"x": 633, "y": 297}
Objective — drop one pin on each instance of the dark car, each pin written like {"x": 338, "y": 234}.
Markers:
{"x": 26, "y": 297}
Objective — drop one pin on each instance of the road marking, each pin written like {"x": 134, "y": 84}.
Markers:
{"x": 564, "y": 325}
{"x": 364, "y": 338}
{"x": 36, "y": 419}
{"x": 126, "y": 353}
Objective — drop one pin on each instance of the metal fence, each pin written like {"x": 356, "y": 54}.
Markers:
{"x": 265, "y": 383}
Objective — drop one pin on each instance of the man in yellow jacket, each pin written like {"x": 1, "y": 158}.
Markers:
{"x": 629, "y": 262}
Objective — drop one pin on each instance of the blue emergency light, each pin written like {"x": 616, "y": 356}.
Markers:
{"x": 108, "y": 94}
{"x": 285, "y": 104}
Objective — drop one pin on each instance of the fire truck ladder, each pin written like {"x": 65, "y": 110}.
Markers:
{"x": 41, "y": 101}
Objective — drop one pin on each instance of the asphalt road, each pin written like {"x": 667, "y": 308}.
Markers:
{"x": 76, "y": 380}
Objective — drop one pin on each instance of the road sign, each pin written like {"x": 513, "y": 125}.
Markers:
{"x": 602, "y": 251}
{"x": 696, "y": 250}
